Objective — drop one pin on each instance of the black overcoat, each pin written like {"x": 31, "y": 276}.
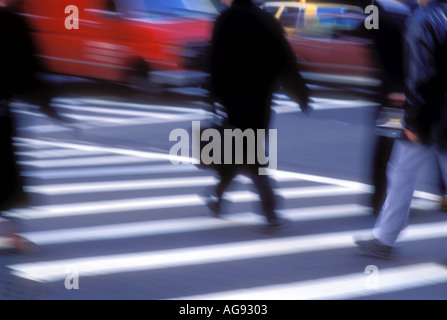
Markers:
{"x": 250, "y": 59}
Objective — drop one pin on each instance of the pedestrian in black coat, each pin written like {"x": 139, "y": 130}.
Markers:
{"x": 251, "y": 59}
{"x": 18, "y": 78}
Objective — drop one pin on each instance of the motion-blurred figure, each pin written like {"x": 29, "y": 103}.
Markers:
{"x": 18, "y": 68}
{"x": 442, "y": 185}
{"x": 388, "y": 41}
{"x": 426, "y": 122}
{"x": 250, "y": 59}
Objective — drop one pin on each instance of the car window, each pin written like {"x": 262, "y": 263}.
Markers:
{"x": 166, "y": 8}
{"x": 339, "y": 17}
{"x": 331, "y": 22}
{"x": 291, "y": 17}
{"x": 271, "y": 9}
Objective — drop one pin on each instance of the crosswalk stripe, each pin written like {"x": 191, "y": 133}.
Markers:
{"x": 49, "y": 271}
{"x": 121, "y": 112}
{"x": 94, "y": 118}
{"x": 349, "y": 286}
{"x": 94, "y": 187}
{"x": 282, "y": 104}
{"x": 111, "y": 103}
{"x": 58, "y": 153}
{"x": 192, "y": 224}
{"x": 187, "y": 200}
{"x": 84, "y": 161}
{"x": 115, "y": 171}
{"x": 148, "y": 184}
{"x": 120, "y": 151}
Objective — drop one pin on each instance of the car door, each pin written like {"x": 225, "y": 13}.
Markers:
{"x": 104, "y": 48}
{"x": 327, "y": 44}
{"x": 311, "y": 45}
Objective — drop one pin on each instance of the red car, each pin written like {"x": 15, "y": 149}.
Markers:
{"x": 130, "y": 41}
{"x": 327, "y": 41}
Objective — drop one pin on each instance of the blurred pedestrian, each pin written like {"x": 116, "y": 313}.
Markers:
{"x": 442, "y": 185}
{"x": 251, "y": 58}
{"x": 18, "y": 69}
{"x": 426, "y": 122}
{"x": 388, "y": 40}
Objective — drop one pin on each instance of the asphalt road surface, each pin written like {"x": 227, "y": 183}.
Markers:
{"x": 114, "y": 218}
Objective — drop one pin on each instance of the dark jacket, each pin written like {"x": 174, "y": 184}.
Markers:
{"x": 17, "y": 76}
{"x": 426, "y": 66}
{"x": 250, "y": 58}
{"x": 18, "y": 64}
{"x": 389, "y": 40}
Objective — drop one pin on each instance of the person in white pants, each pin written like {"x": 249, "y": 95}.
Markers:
{"x": 403, "y": 168}
{"x": 426, "y": 123}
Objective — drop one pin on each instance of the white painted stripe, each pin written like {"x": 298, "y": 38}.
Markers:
{"x": 112, "y": 186}
{"x": 58, "y": 153}
{"x": 30, "y": 146}
{"x": 146, "y": 121}
{"x": 121, "y": 112}
{"x": 342, "y": 103}
{"x": 318, "y": 191}
{"x": 94, "y": 118}
{"x": 187, "y": 200}
{"x": 109, "y": 172}
{"x": 87, "y": 122}
{"x": 320, "y": 179}
{"x": 48, "y": 271}
{"x": 85, "y": 161}
{"x": 140, "y": 106}
{"x": 41, "y": 129}
{"x": 135, "y": 153}
{"x": 193, "y": 224}
{"x": 100, "y": 207}
{"x": 349, "y": 286}
{"x": 288, "y": 106}
{"x": 30, "y": 113}
{"x": 101, "y": 187}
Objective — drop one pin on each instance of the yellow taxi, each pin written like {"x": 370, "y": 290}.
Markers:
{"x": 295, "y": 16}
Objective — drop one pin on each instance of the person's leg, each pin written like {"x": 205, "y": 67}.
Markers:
{"x": 226, "y": 177}
{"x": 441, "y": 155}
{"x": 382, "y": 153}
{"x": 12, "y": 194}
{"x": 213, "y": 196}
{"x": 265, "y": 191}
{"x": 403, "y": 168}
{"x": 269, "y": 202}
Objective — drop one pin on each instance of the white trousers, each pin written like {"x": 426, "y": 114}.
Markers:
{"x": 402, "y": 171}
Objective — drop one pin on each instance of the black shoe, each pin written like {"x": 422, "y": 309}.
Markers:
{"x": 213, "y": 203}
{"x": 443, "y": 204}
{"x": 276, "y": 225}
{"x": 374, "y": 248}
